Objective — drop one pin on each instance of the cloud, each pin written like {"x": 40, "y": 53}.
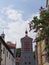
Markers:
{"x": 2, "y": 25}
{"x": 12, "y": 13}
{"x": 33, "y": 14}
{"x": 16, "y": 31}
{"x": 16, "y": 26}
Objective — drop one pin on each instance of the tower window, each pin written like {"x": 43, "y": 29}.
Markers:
{"x": 25, "y": 62}
{"x": 25, "y": 56}
{"x": 29, "y": 62}
{"x": 29, "y": 57}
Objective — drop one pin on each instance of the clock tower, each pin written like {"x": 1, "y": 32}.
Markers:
{"x": 27, "y": 51}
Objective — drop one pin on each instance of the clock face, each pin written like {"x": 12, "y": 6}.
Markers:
{"x": 27, "y": 47}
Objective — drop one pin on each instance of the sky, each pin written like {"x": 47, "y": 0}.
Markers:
{"x": 15, "y": 16}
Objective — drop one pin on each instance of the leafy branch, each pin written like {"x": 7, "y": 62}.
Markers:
{"x": 42, "y": 24}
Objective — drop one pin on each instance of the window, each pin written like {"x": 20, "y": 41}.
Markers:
{"x": 25, "y": 57}
{"x": 27, "y": 47}
{"x": 29, "y": 57}
{"x": 7, "y": 53}
{"x": 17, "y": 63}
{"x": 25, "y": 62}
{"x": 3, "y": 50}
{"x": 9, "y": 56}
{"x": 29, "y": 62}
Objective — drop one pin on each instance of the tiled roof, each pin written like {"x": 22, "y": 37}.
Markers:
{"x": 26, "y": 37}
{"x": 12, "y": 45}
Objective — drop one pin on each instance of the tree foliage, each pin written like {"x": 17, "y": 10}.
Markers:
{"x": 18, "y": 52}
{"x": 42, "y": 24}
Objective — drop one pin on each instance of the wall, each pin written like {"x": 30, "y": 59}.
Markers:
{"x": 7, "y": 58}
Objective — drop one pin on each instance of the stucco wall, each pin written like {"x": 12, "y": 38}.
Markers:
{"x": 6, "y": 60}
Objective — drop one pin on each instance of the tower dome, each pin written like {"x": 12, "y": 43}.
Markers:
{"x": 26, "y": 32}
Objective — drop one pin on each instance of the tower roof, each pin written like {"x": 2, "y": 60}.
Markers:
{"x": 26, "y": 32}
{"x": 26, "y": 36}
{"x": 3, "y": 35}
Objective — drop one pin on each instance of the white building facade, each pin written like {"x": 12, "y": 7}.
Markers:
{"x": 13, "y": 49}
{"x": 6, "y": 55}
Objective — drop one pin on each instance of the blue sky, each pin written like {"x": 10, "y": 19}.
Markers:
{"x": 15, "y": 16}
{"x": 27, "y": 6}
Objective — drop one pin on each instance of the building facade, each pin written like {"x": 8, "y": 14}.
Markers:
{"x": 6, "y": 55}
{"x": 47, "y": 4}
{"x": 41, "y": 52}
{"x": 12, "y": 47}
{"x": 27, "y": 51}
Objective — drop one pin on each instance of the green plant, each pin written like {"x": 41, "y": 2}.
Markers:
{"x": 41, "y": 24}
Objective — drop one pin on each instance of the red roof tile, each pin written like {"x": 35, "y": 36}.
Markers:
{"x": 12, "y": 45}
{"x": 26, "y": 37}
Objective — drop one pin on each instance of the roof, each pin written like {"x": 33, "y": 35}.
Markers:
{"x": 3, "y": 42}
{"x": 12, "y": 45}
{"x": 17, "y": 59}
{"x": 27, "y": 37}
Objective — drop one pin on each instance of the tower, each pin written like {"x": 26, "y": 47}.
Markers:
{"x": 47, "y": 4}
{"x": 27, "y": 51}
{"x": 3, "y": 35}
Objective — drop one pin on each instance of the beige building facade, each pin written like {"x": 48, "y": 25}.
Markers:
{"x": 47, "y": 4}
{"x": 6, "y": 55}
{"x": 41, "y": 52}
